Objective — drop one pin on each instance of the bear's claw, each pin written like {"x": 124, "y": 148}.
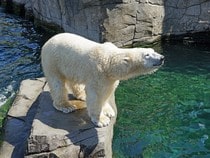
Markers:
{"x": 103, "y": 122}
{"x": 66, "y": 109}
{"x": 108, "y": 111}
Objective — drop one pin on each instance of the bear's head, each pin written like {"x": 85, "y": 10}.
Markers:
{"x": 151, "y": 59}
{"x": 128, "y": 63}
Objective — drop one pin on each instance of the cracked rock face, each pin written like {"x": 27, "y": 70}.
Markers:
{"x": 124, "y": 22}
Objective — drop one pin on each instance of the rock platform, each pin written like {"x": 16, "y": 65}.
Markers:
{"x": 35, "y": 129}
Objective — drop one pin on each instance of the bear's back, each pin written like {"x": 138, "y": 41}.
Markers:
{"x": 66, "y": 47}
{"x": 69, "y": 54}
{"x": 68, "y": 40}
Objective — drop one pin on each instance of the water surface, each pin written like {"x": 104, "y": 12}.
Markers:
{"x": 19, "y": 53}
{"x": 167, "y": 114}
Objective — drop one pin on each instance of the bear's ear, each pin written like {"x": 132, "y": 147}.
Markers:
{"x": 127, "y": 58}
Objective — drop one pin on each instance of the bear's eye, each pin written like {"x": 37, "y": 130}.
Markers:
{"x": 147, "y": 55}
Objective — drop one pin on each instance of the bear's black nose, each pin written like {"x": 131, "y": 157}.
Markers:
{"x": 162, "y": 58}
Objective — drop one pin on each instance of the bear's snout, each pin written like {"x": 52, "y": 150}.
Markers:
{"x": 160, "y": 61}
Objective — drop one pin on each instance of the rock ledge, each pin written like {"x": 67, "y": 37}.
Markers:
{"x": 35, "y": 129}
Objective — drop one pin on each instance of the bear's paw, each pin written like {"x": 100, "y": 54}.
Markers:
{"x": 66, "y": 109}
{"x": 103, "y": 121}
{"x": 108, "y": 110}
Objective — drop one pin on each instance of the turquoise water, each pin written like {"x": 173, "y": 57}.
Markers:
{"x": 167, "y": 114}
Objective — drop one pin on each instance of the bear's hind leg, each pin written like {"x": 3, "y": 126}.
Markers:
{"x": 59, "y": 95}
{"x": 78, "y": 90}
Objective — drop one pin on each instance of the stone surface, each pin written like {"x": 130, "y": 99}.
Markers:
{"x": 28, "y": 93}
{"x": 123, "y": 22}
{"x": 20, "y": 118}
{"x": 35, "y": 129}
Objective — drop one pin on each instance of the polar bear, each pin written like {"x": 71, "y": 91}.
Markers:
{"x": 92, "y": 71}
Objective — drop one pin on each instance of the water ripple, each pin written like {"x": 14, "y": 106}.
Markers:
{"x": 169, "y": 110}
{"x": 19, "y": 52}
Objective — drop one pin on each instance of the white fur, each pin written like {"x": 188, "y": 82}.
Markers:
{"x": 92, "y": 71}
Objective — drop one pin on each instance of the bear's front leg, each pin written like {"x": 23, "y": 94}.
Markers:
{"x": 95, "y": 102}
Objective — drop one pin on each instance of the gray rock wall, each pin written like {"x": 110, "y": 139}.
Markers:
{"x": 184, "y": 16}
{"x": 123, "y": 22}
